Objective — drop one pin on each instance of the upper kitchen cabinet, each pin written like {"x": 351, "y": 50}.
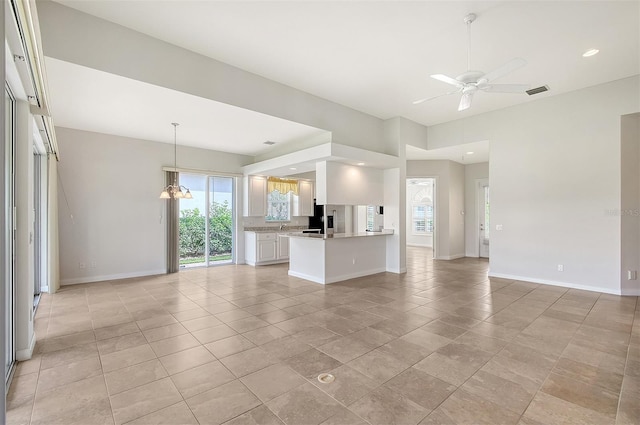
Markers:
{"x": 303, "y": 203}
{"x": 254, "y": 196}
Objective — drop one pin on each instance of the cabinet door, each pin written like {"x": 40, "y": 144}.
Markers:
{"x": 255, "y": 196}
{"x": 304, "y": 201}
{"x": 283, "y": 247}
{"x": 267, "y": 250}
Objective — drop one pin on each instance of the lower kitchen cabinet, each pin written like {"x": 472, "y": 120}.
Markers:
{"x": 265, "y": 248}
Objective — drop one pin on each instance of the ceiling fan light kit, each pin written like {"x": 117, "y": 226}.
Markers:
{"x": 470, "y": 82}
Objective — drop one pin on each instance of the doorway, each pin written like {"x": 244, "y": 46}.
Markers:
{"x": 421, "y": 214}
{"x": 484, "y": 215}
{"x": 206, "y": 221}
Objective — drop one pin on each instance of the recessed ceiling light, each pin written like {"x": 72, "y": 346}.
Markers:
{"x": 360, "y": 163}
{"x": 469, "y": 153}
{"x": 590, "y": 52}
{"x": 292, "y": 168}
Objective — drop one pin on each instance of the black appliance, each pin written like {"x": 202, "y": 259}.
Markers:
{"x": 317, "y": 220}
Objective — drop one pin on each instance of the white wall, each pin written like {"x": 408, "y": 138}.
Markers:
{"x": 554, "y": 173}
{"x": 472, "y": 173}
{"x": 630, "y": 203}
{"x": 79, "y": 38}
{"x": 112, "y": 186}
{"x": 344, "y": 184}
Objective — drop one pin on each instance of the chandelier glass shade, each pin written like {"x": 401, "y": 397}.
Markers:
{"x": 175, "y": 190}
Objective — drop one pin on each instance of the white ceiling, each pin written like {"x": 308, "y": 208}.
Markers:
{"x": 458, "y": 153}
{"x": 92, "y": 100}
{"x": 375, "y": 56}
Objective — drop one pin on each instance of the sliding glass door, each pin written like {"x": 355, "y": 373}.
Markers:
{"x": 206, "y": 221}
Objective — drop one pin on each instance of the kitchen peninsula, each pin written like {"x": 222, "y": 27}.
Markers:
{"x": 334, "y": 258}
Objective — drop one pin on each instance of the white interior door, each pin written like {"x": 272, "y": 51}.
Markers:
{"x": 483, "y": 217}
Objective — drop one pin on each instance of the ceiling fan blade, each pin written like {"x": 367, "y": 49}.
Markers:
{"x": 507, "y": 88}
{"x": 505, "y": 69}
{"x": 448, "y": 80}
{"x": 426, "y": 99}
{"x": 465, "y": 101}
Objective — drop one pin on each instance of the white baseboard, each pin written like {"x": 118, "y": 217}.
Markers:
{"x": 91, "y": 279}
{"x": 556, "y": 283}
{"x": 420, "y": 245}
{"x": 338, "y": 278}
{"x": 396, "y": 270}
{"x": 306, "y": 277}
{"x": 450, "y": 257}
{"x": 348, "y": 276}
{"x": 634, "y": 292}
{"x": 27, "y": 353}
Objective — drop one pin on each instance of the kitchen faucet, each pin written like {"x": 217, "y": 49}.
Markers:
{"x": 282, "y": 225}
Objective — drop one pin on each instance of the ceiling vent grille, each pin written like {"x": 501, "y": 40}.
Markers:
{"x": 269, "y": 142}
{"x": 537, "y": 90}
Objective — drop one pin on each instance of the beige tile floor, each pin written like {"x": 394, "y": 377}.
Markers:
{"x": 441, "y": 344}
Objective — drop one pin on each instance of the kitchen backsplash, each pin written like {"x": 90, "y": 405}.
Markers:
{"x": 253, "y": 222}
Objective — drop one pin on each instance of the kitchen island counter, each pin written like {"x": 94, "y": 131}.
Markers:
{"x": 334, "y": 258}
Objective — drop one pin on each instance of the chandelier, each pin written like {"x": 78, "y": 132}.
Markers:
{"x": 174, "y": 191}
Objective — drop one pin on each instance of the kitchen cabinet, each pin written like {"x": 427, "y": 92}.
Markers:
{"x": 303, "y": 203}
{"x": 254, "y": 196}
{"x": 283, "y": 247}
{"x": 265, "y": 248}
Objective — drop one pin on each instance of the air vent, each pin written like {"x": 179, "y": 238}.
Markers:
{"x": 269, "y": 142}
{"x": 537, "y": 90}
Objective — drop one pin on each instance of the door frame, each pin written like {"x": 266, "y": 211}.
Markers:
{"x": 479, "y": 186}
{"x": 434, "y": 237}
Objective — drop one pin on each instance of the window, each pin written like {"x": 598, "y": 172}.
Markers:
{"x": 371, "y": 217}
{"x": 278, "y": 206}
{"x": 422, "y": 218}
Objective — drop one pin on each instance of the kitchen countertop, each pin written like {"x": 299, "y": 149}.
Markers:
{"x": 291, "y": 229}
{"x": 340, "y": 235}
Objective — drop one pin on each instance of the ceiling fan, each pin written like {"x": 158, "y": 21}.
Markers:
{"x": 473, "y": 81}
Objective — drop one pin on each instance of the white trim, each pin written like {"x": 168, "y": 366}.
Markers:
{"x": 421, "y": 245}
{"x": 91, "y": 279}
{"x": 451, "y": 257}
{"x": 555, "y": 283}
{"x": 306, "y": 277}
{"x": 339, "y": 278}
{"x": 397, "y": 271}
{"x": 27, "y": 353}
{"x": 196, "y": 171}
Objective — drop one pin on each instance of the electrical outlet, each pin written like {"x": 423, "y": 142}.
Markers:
{"x": 560, "y": 268}
{"x": 93, "y": 264}
{"x": 354, "y": 260}
{"x": 632, "y": 274}
{"x": 498, "y": 226}
{"x": 82, "y": 265}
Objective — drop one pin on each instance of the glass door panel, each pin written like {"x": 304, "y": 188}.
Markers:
{"x": 220, "y": 229}
{"x": 193, "y": 222}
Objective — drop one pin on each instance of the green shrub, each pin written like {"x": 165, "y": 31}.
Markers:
{"x": 192, "y": 231}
